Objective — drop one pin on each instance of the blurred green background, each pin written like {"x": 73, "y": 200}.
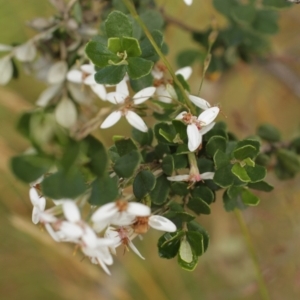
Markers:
{"x": 32, "y": 266}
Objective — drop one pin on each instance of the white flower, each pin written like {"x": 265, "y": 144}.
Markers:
{"x": 6, "y": 70}
{"x": 57, "y": 72}
{"x": 120, "y": 213}
{"x": 86, "y": 76}
{"x": 66, "y": 113}
{"x": 39, "y": 204}
{"x": 197, "y": 127}
{"x": 188, "y": 2}
{"x": 201, "y": 103}
{"x": 121, "y": 97}
{"x": 122, "y": 236}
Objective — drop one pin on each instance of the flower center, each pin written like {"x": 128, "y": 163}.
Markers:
{"x": 141, "y": 225}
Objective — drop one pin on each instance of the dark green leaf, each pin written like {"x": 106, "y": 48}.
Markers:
{"x": 194, "y": 226}
{"x": 244, "y": 152}
{"x": 125, "y": 146}
{"x": 198, "y": 206}
{"x": 221, "y": 159}
{"x": 143, "y": 183}
{"x": 138, "y": 67}
{"x": 256, "y": 173}
{"x": 148, "y": 52}
{"x": 276, "y": 3}
{"x": 168, "y": 244}
{"x": 261, "y": 186}
{"x": 244, "y": 13}
{"x": 160, "y": 193}
{"x": 195, "y": 238}
{"x": 143, "y": 138}
{"x": 266, "y": 22}
{"x": 178, "y": 217}
{"x": 188, "y": 57}
{"x": 126, "y": 165}
{"x": 164, "y": 127}
{"x": 118, "y": 24}
{"x": 168, "y": 165}
{"x": 249, "y": 199}
{"x": 187, "y": 259}
{"x": 224, "y": 177}
{"x": 268, "y": 132}
{"x": 180, "y": 188}
{"x": 203, "y": 193}
{"x": 111, "y": 74}
{"x": 289, "y": 160}
{"x": 142, "y": 82}
{"x": 29, "y": 168}
{"x": 215, "y": 143}
{"x": 104, "y": 190}
{"x": 152, "y": 19}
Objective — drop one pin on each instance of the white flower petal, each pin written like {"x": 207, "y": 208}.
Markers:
{"x": 57, "y": 72}
{"x": 103, "y": 266}
{"x": 35, "y": 215}
{"x": 162, "y": 94}
{"x": 66, "y": 113}
{"x": 25, "y": 52}
{"x": 34, "y": 196}
{"x": 209, "y": 115}
{"x": 48, "y": 94}
{"x": 207, "y": 175}
{"x": 186, "y": 72}
{"x": 194, "y": 137}
{"x": 116, "y": 98}
{"x": 70, "y": 231}
{"x": 157, "y": 73}
{"x": 201, "y": 103}
{"x": 71, "y": 211}
{"x": 138, "y": 209}
{"x": 122, "y": 219}
{"x": 188, "y": 2}
{"x": 180, "y": 116}
{"x": 99, "y": 90}
{"x": 135, "y": 250}
{"x": 112, "y": 119}
{"x": 104, "y": 212}
{"x": 88, "y": 68}
{"x": 143, "y": 95}
{"x": 122, "y": 88}
{"x": 6, "y": 70}
{"x": 90, "y": 80}
{"x": 89, "y": 237}
{"x": 162, "y": 223}
{"x": 52, "y": 232}
{"x": 75, "y": 76}
{"x": 179, "y": 178}
{"x": 42, "y": 204}
{"x": 207, "y": 128}
{"x": 136, "y": 121}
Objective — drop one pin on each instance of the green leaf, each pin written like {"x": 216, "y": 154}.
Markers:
{"x": 295, "y": 145}
{"x": 98, "y": 53}
{"x": 160, "y": 193}
{"x": 204, "y": 193}
{"x": 23, "y": 125}
{"x": 249, "y": 199}
{"x": 268, "y": 132}
{"x": 164, "y": 127}
{"x": 186, "y": 258}
{"x": 194, "y": 226}
{"x": 168, "y": 244}
{"x": 152, "y": 19}
{"x": 126, "y": 165}
{"x": 188, "y": 57}
{"x": 142, "y": 82}
{"x": 244, "y": 13}
{"x": 180, "y": 161}
{"x": 104, "y": 190}
{"x": 289, "y": 160}
{"x": 29, "y": 168}
{"x": 256, "y": 173}
{"x": 224, "y": 6}
{"x": 233, "y": 200}
{"x": 195, "y": 238}
{"x": 111, "y": 74}
{"x": 249, "y": 162}
{"x": 64, "y": 185}
{"x": 125, "y": 146}
{"x": 71, "y": 155}
{"x": 276, "y": 3}
{"x": 224, "y": 177}
{"x": 240, "y": 172}
{"x": 205, "y": 165}
{"x": 118, "y": 24}
{"x": 221, "y": 159}
{"x": 143, "y": 138}
{"x": 131, "y": 46}
{"x": 180, "y": 128}
{"x": 244, "y": 152}
{"x": 261, "y": 186}
{"x": 180, "y": 188}
{"x": 148, "y": 52}
{"x": 138, "y": 67}
{"x": 143, "y": 183}
{"x": 215, "y": 143}
{"x": 266, "y": 22}
{"x": 97, "y": 154}
{"x": 198, "y": 206}
{"x": 114, "y": 45}
{"x": 168, "y": 165}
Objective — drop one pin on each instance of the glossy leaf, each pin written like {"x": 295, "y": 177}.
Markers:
{"x": 126, "y": 165}
{"x": 143, "y": 183}
{"x": 160, "y": 193}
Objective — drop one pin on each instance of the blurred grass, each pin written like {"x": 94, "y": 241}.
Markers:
{"x": 35, "y": 267}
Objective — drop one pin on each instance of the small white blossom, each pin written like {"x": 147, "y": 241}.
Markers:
{"x": 188, "y": 2}
{"x": 39, "y": 204}
{"x": 142, "y": 224}
{"x": 121, "y": 97}
{"x": 6, "y": 70}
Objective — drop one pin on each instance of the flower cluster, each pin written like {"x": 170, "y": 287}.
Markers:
{"x": 110, "y": 226}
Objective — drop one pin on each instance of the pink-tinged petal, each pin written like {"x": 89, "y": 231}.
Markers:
{"x": 136, "y": 121}
{"x": 122, "y": 88}
{"x": 112, "y": 119}
{"x": 104, "y": 212}
{"x": 207, "y": 175}
{"x": 34, "y": 196}
{"x": 180, "y": 116}
{"x": 186, "y": 72}
{"x": 90, "y": 80}
{"x": 99, "y": 90}
{"x": 201, "y": 103}
{"x": 88, "y": 68}
{"x": 163, "y": 95}
{"x": 75, "y": 76}
{"x": 143, "y": 95}
{"x": 207, "y": 128}
{"x": 179, "y": 178}
{"x": 115, "y": 98}
{"x": 135, "y": 250}
{"x": 209, "y": 115}
{"x": 71, "y": 211}
{"x": 194, "y": 137}
{"x": 138, "y": 209}
{"x": 162, "y": 223}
